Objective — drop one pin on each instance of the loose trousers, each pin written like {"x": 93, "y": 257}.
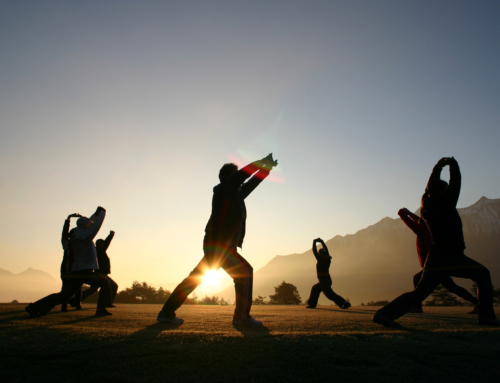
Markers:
{"x": 72, "y": 282}
{"x": 325, "y": 286}
{"x": 237, "y": 268}
{"x": 93, "y": 288}
{"x": 437, "y": 266}
{"x": 449, "y": 285}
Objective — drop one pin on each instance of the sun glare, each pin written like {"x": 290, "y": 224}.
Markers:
{"x": 211, "y": 278}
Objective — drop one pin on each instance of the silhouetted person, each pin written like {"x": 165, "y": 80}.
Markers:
{"x": 68, "y": 259}
{"x": 416, "y": 224}
{"x": 82, "y": 269}
{"x": 324, "y": 260}
{"x": 446, "y": 256}
{"x": 225, "y": 232}
{"x": 104, "y": 268}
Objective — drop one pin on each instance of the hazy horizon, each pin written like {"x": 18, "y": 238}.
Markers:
{"x": 135, "y": 106}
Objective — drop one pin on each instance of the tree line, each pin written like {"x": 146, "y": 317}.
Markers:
{"x": 142, "y": 293}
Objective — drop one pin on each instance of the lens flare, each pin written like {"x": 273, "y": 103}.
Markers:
{"x": 261, "y": 147}
{"x": 211, "y": 278}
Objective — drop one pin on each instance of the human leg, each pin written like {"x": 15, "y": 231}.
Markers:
{"x": 99, "y": 281}
{"x": 316, "y": 290}
{"x": 326, "y": 285}
{"x": 88, "y": 292}
{"x": 185, "y": 288}
{"x": 405, "y": 302}
{"x": 242, "y": 273}
{"x": 465, "y": 267}
{"x": 114, "y": 288}
{"x": 452, "y": 287}
{"x": 69, "y": 287}
{"x": 416, "y": 279}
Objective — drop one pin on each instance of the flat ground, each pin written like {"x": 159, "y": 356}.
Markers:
{"x": 296, "y": 344}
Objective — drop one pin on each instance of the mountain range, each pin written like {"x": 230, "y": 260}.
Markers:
{"x": 378, "y": 262}
{"x": 29, "y": 285}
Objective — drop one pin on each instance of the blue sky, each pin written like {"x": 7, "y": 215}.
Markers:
{"x": 135, "y": 106}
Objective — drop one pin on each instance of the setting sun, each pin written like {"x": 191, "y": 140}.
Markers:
{"x": 211, "y": 278}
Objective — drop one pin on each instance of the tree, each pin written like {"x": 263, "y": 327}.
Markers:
{"x": 442, "y": 297}
{"x": 285, "y": 294}
{"x": 259, "y": 300}
{"x": 142, "y": 293}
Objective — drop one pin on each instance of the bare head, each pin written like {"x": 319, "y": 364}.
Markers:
{"x": 227, "y": 171}
{"x": 437, "y": 188}
{"x": 84, "y": 222}
{"x": 99, "y": 243}
{"x": 323, "y": 252}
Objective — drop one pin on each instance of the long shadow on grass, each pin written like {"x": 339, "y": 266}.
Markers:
{"x": 152, "y": 331}
{"x": 348, "y": 311}
{"x": 252, "y": 331}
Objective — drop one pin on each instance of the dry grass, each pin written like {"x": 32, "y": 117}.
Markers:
{"x": 296, "y": 344}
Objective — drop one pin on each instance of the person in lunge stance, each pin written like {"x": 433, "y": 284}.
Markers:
{"x": 104, "y": 269}
{"x": 225, "y": 232}
{"x": 418, "y": 226}
{"x": 82, "y": 269}
{"x": 324, "y": 260}
{"x": 446, "y": 256}
{"x": 68, "y": 260}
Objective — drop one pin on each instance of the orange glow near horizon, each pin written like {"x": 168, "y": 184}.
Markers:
{"x": 211, "y": 278}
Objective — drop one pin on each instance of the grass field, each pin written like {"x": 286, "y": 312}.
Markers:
{"x": 296, "y": 344}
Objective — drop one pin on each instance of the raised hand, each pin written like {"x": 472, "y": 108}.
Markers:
{"x": 268, "y": 161}
{"x": 74, "y": 215}
{"x": 445, "y": 161}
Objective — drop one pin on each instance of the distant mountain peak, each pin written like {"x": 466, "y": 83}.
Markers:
{"x": 31, "y": 272}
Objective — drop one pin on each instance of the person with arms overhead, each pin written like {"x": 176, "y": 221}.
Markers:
{"x": 224, "y": 233}
{"x": 324, "y": 285}
{"x": 82, "y": 269}
{"x": 418, "y": 226}
{"x": 446, "y": 256}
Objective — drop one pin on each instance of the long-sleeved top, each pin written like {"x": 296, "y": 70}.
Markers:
{"x": 441, "y": 215}
{"x": 420, "y": 229}
{"x": 226, "y": 226}
{"x": 68, "y": 256}
{"x": 322, "y": 264}
{"x": 102, "y": 256}
{"x": 83, "y": 245}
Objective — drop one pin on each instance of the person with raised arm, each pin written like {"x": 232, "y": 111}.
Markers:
{"x": 418, "y": 226}
{"x": 224, "y": 233}
{"x": 324, "y": 285}
{"x": 68, "y": 259}
{"x": 104, "y": 268}
{"x": 446, "y": 256}
{"x": 82, "y": 269}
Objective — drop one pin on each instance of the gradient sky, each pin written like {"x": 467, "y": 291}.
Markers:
{"x": 136, "y": 105}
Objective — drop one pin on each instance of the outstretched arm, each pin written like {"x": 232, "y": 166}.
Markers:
{"x": 410, "y": 219}
{"x": 65, "y": 231}
{"x": 436, "y": 172}
{"x": 453, "y": 191}
{"x": 315, "y": 250}
{"x": 241, "y": 175}
{"x": 324, "y": 245}
{"x": 108, "y": 239}
{"x": 264, "y": 167}
{"x": 92, "y": 231}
